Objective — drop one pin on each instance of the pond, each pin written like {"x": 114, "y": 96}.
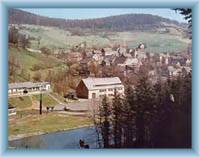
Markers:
{"x": 59, "y": 140}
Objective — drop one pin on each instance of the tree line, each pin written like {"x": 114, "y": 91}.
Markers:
{"x": 113, "y": 23}
{"x": 17, "y": 38}
{"x": 148, "y": 116}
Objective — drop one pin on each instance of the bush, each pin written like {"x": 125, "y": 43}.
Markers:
{"x": 36, "y": 67}
{"x": 37, "y": 76}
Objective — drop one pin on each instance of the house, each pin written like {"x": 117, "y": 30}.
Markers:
{"x": 120, "y": 60}
{"x": 108, "y": 60}
{"x": 28, "y": 87}
{"x": 141, "y": 46}
{"x": 131, "y": 61}
{"x": 91, "y": 88}
{"x": 97, "y": 57}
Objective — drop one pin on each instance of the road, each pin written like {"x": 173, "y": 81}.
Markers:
{"x": 79, "y": 106}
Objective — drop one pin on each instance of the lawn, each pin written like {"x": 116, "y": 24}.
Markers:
{"x": 59, "y": 97}
{"x": 46, "y": 100}
{"x": 29, "y": 123}
{"x": 21, "y": 102}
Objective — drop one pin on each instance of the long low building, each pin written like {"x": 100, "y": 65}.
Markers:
{"x": 28, "y": 87}
{"x": 91, "y": 88}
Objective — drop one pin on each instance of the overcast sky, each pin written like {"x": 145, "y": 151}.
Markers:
{"x": 84, "y": 13}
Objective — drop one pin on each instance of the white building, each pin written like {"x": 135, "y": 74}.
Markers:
{"x": 91, "y": 88}
{"x": 28, "y": 87}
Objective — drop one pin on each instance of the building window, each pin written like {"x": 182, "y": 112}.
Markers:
{"x": 102, "y": 90}
{"x": 101, "y": 96}
{"x": 93, "y": 95}
{"x": 110, "y": 89}
{"x": 119, "y": 88}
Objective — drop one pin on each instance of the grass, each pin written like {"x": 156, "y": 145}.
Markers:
{"x": 26, "y": 101}
{"x": 46, "y": 100}
{"x": 156, "y": 42}
{"x": 28, "y": 60}
{"x": 59, "y": 97}
{"x": 21, "y": 102}
{"x": 51, "y": 122}
{"x": 53, "y": 37}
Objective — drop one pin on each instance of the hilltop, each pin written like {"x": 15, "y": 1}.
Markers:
{"x": 126, "y": 22}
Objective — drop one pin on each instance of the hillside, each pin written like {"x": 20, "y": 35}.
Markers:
{"x": 25, "y": 65}
{"x": 158, "y": 41}
{"x": 127, "y": 22}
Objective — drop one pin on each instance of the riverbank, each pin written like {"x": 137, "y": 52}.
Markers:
{"x": 21, "y": 136}
{"x": 58, "y": 140}
{"x": 30, "y": 123}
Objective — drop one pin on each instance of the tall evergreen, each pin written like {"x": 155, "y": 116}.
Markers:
{"x": 145, "y": 109}
{"x": 117, "y": 105}
{"x": 128, "y": 118}
{"x": 187, "y": 12}
{"x": 105, "y": 121}
{"x": 156, "y": 116}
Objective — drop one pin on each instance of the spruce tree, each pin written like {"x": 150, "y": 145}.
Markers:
{"x": 117, "y": 119}
{"x": 105, "y": 121}
{"x": 128, "y": 118}
{"x": 145, "y": 109}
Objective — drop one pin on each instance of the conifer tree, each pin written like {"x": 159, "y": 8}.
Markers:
{"x": 128, "y": 118}
{"x": 117, "y": 119}
{"x": 145, "y": 109}
{"x": 105, "y": 121}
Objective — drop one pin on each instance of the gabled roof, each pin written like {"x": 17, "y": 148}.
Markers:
{"x": 120, "y": 60}
{"x": 96, "y": 83}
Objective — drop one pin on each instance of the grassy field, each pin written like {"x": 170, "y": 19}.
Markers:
{"x": 156, "y": 42}
{"x": 52, "y": 37}
{"x": 28, "y": 122}
{"x": 25, "y": 102}
{"x": 47, "y": 100}
{"x": 21, "y": 102}
{"x": 29, "y": 60}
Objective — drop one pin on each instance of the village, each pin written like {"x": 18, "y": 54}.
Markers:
{"x": 105, "y": 71}
{"x": 119, "y": 81}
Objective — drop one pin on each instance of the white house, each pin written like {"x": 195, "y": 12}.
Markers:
{"x": 28, "y": 87}
{"x": 91, "y": 88}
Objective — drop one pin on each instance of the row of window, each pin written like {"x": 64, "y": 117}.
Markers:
{"x": 101, "y": 96}
{"x": 110, "y": 89}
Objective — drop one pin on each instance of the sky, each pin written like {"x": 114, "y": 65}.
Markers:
{"x": 87, "y": 13}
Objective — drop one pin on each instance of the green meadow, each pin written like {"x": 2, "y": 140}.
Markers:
{"x": 52, "y": 37}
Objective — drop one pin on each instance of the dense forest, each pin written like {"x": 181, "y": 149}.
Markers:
{"x": 127, "y": 22}
{"x": 149, "y": 116}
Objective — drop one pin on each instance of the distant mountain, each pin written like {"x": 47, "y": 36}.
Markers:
{"x": 127, "y": 22}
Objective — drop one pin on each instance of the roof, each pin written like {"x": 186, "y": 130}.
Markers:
{"x": 26, "y": 85}
{"x": 131, "y": 61}
{"x": 171, "y": 69}
{"x": 120, "y": 60}
{"x": 97, "y": 83}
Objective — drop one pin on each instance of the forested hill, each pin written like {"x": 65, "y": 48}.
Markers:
{"x": 127, "y": 22}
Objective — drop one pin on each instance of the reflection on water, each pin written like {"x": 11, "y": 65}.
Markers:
{"x": 59, "y": 140}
